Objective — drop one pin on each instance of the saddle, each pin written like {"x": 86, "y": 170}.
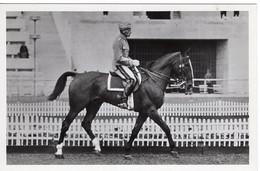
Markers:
{"x": 116, "y": 83}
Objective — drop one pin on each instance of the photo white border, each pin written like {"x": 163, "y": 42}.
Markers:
{"x": 253, "y": 105}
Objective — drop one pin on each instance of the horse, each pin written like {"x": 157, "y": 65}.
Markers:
{"x": 89, "y": 90}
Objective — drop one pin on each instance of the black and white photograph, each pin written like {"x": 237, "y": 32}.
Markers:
{"x": 163, "y": 85}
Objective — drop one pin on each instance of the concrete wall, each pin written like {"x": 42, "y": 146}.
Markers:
{"x": 51, "y": 56}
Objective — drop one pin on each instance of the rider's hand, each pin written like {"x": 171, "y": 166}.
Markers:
{"x": 136, "y": 63}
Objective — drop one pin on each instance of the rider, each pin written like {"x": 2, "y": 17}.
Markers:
{"x": 122, "y": 63}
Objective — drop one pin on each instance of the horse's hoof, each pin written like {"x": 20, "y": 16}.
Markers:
{"x": 59, "y": 156}
{"x": 98, "y": 153}
{"x": 128, "y": 157}
{"x": 174, "y": 154}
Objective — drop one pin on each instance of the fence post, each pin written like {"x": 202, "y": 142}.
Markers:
{"x": 235, "y": 133}
{"x": 27, "y": 126}
{"x": 19, "y": 132}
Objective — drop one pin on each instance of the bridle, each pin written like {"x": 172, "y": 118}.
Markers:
{"x": 179, "y": 81}
{"x": 182, "y": 66}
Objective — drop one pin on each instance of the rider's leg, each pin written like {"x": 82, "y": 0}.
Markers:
{"x": 131, "y": 80}
{"x": 127, "y": 91}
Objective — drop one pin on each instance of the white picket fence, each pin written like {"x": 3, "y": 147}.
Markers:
{"x": 217, "y": 123}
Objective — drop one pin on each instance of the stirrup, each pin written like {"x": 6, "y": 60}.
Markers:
{"x": 123, "y": 105}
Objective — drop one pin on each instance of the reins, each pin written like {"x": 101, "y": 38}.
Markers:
{"x": 150, "y": 73}
{"x": 158, "y": 75}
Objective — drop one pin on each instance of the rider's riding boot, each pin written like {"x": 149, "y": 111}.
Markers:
{"x": 124, "y": 104}
{"x": 127, "y": 91}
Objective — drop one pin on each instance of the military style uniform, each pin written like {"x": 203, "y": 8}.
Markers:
{"x": 121, "y": 52}
{"x": 122, "y": 61}
{"x": 122, "y": 64}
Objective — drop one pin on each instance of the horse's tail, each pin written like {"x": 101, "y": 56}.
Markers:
{"x": 60, "y": 85}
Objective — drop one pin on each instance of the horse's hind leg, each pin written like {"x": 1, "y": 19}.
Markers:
{"x": 92, "y": 110}
{"x": 65, "y": 126}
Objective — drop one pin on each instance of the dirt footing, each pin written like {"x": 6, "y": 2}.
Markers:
{"x": 159, "y": 150}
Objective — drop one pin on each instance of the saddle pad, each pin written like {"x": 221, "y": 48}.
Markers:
{"x": 114, "y": 83}
{"x": 117, "y": 84}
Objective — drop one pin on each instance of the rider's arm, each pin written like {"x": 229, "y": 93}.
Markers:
{"x": 120, "y": 54}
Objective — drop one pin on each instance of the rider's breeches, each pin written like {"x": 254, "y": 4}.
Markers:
{"x": 125, "y": 73}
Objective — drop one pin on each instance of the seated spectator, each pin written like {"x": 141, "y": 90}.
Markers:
{"x": 208, "y": 82}
{"x": 23, "y": 51}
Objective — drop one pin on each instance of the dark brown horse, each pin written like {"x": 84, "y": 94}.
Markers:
{"x": 89, "y": 90}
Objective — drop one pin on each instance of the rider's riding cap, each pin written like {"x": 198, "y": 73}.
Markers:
{"x": 124, "y": 26}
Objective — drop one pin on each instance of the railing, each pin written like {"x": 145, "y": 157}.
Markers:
{"x": 223, "y": 86}
{"x": 217, "y": 123}
{"x": 219, "y": 86}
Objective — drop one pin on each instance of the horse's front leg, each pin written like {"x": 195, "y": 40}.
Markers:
{"x": 138, "y": 125}
{"x": 157, "y": 119}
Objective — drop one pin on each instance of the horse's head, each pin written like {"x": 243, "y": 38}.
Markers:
{"x": 188, "y": 72}
{"x": 174, "y": 65}
{"x": 183, "y": 70}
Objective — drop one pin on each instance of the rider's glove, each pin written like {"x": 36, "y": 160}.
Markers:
{"x": 135, "y": 63}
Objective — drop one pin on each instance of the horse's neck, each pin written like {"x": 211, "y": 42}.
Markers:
{"x": 164, "y": 66}
{"x": 162, "y": 79}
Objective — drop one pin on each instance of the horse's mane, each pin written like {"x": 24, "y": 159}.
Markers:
{"x": 153, "y": 63}
{"x": 150, "y": 64}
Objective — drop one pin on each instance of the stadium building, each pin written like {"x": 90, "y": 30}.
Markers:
{"x": 82, "y": 41}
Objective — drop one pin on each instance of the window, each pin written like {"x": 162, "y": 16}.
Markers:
{"x": 16, "y": 42}
{"x": 105, "y": 12}
{"x": 11, "y": 17}
{"x": 25, "y": 70}
{"x": 13, "y": 30}
{"x": 10, "y": 70}
{"x": 8, "y": 56}
{"x": 159, "y": 15}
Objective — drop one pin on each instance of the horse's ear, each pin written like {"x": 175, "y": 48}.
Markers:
{"x": 186, "y": 53}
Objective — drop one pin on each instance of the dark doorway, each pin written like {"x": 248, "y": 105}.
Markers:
{"x": 202, "y": 54}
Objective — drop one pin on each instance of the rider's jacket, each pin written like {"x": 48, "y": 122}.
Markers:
{"x": 121, "y": 52}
